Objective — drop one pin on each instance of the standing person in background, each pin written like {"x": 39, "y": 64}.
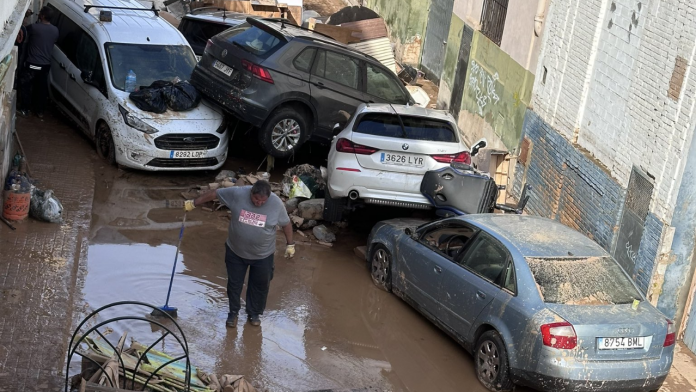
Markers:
{"x": 251, "y": 243}
{"x": 33, "y": 79}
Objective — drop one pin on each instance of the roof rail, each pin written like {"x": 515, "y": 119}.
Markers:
{"x": 338, "y": 44}
{"x": 153, "y": 9}
{"x": 195, "y": 10}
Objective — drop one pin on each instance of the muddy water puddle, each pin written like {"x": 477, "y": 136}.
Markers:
{"x": 326, "y": 325}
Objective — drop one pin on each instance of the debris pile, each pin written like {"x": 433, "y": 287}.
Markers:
{"x": 301, "y": 190}
{"x": 134, "y": 367}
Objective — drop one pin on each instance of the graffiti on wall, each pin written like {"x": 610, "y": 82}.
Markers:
{"x": 482, "y": 85}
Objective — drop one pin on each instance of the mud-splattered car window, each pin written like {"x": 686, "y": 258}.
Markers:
{"x": 582, "y": 281}
{"x": 149, "y": 63}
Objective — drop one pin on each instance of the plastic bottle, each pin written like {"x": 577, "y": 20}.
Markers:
{"x": 130, "y": 82}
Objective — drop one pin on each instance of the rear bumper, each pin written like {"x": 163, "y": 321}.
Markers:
{"x": 234, "y": 100}
{"x": 555, "y": 384}
{"x": 560, "y": 374}
{"x": 367, "y": 184}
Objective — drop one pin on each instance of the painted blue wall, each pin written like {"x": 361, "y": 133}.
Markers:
{"x": 678, "y": 272}
{"x": 570, "y": 187}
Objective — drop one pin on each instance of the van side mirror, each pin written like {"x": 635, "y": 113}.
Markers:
{"x": 478, "y": 146}
{"x": 86, "y": 76}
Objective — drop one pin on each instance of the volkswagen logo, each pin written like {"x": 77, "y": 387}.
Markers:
{"x": 189, "y": 139}
{"x": 224, "y": 52}
{"x": 404, "y": 146}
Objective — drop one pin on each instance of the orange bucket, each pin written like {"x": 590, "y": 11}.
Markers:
{"x": 16, "y": 206}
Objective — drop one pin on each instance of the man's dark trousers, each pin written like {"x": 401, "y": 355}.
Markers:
{"x": 260, "y": 275}
{"x": 33, "y": 87}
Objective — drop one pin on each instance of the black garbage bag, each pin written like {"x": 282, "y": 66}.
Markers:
{"x": 152, "y": 98}
{"x": 182, "y": 96}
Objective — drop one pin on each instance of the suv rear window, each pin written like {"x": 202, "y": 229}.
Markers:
{"x": 253, "y": 40}
{"x": 582, "y": 281}
{"x": 414, "y": 128}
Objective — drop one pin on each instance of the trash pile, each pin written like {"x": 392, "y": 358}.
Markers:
{"x": 301, "y": 189}
{"x": 176, "y": 95}
{"x": 132, "y": 368}
{"x": 23, "y": 198}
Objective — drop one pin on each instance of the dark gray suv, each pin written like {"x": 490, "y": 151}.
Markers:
{"x": 293, "y": 84}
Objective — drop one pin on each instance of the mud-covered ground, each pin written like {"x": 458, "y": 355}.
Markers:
{"x": 326, "y": 325}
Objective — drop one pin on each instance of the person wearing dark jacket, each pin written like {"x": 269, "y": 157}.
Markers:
{"x": 33, "y": 79}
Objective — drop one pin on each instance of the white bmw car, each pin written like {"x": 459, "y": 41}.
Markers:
{"x": 381, "y": 155}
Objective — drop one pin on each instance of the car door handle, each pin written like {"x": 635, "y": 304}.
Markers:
{"x": 62, "y": 65}
{"x": 72, "y": 77}
{"x": 319, "y": 84}
{"x": 437, "y": 269}
{"x": 480, "y": 295}
{"x": 371, "y": 101}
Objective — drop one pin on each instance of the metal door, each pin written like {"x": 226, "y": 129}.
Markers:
{"x": 638, "y": 197}
{"x": 439, "y": 19}
{"x": 460, "y": 73}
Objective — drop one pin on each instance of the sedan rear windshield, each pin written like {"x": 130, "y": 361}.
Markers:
{"x": 253, "y": 40}
{"x": 414, "y": 128}
{"x": 149, "y": 63}
{"x": 582, "y": 281}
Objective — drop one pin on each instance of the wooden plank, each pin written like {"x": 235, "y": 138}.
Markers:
{"x": 340, "y": 34}
{"x": 369, "y": 28}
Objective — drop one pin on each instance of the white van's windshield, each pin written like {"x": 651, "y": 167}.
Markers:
{"x": 148, "y": 62}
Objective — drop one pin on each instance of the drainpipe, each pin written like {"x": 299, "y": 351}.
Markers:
{"x": 539, "y": 17}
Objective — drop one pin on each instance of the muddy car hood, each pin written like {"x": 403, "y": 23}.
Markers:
{"x": 204, "y": 111}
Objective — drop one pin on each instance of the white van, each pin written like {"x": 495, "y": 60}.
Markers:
{"x": 87, "y": 81}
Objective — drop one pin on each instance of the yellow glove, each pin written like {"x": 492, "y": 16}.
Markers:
{"x": 188, "y": 205}
{"x": 290, "y": 251}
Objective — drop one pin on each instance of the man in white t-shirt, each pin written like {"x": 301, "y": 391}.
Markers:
{"x": 251, "y": 240}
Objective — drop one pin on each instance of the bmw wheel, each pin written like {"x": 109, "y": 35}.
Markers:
{"x": 491, "y": 362}
{"x": 284, "y": 132}
{"x": 380, "y": 267}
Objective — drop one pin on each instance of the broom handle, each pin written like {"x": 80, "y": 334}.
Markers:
{"x": 176, "y": 257}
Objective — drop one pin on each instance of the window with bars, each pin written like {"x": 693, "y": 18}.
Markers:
{"x": 493, "y": 19}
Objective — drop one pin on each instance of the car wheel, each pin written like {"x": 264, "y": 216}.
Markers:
{"x": 333, "y": 208}
{"x": 283, "y": 133}
{"x": 380, "y": 267}
{"x": 491, "y": 363}
{"x": 105, "y": 143}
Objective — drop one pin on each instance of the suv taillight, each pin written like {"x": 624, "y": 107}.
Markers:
{"x": 460, "y": 157}
{"x": 345, "y": 145}
{"x": 258, "y": 71}
{"x": 208, "y": 45}
{"x": 559, "y": 335}
{"x": 671, "y": 334}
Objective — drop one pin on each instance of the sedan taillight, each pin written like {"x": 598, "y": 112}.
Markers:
{"x": 559, "y": 335}
{"x": 208, "y": 45}
{"x": 460, "y": 157}
{"x": 671, "y": 334}
{"x": 345, "y": 145}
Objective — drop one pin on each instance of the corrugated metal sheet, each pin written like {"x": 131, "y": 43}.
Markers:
{"x": 379, "y": 48}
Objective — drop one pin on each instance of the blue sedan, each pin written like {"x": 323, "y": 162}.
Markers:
{"x": 536, "y": 303}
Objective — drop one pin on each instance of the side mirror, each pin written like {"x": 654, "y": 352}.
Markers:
{"x": 86, "y": 76}
{"x": 336, "y": 129}
{"x": 478, "y": 146}
{"x": 408, "y": 232}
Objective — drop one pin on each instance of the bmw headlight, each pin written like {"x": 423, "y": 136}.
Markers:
{"x": 135, "y": 122}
